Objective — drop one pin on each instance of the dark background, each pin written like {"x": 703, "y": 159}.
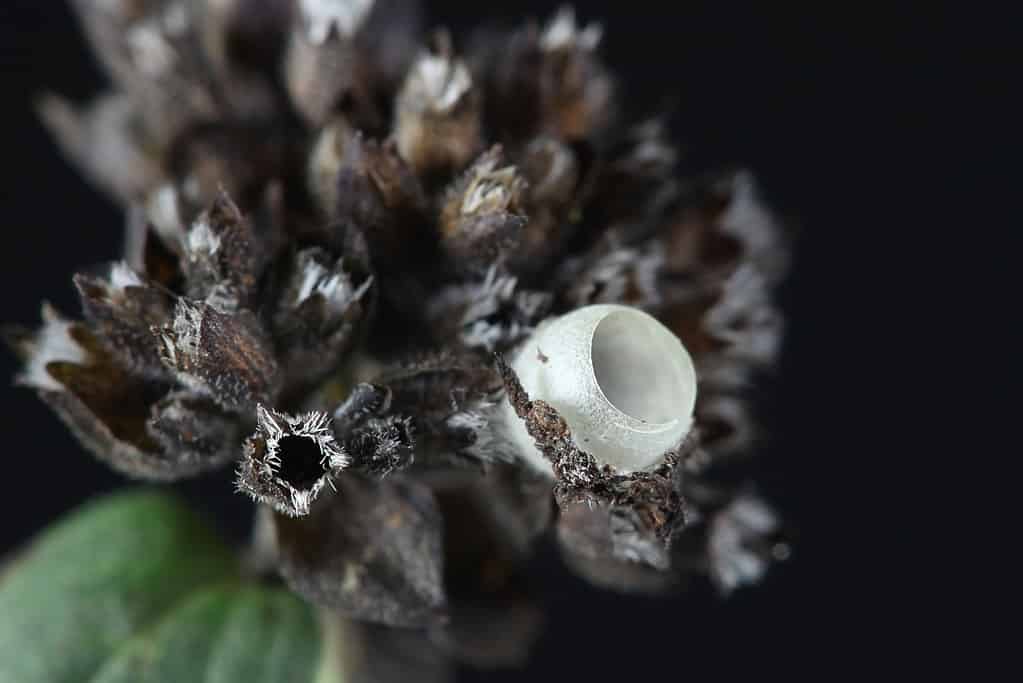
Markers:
{"x": 826, "y": 106}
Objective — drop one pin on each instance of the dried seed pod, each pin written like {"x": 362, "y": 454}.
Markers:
{"x": 290, "y": 460}
{"x": 577, "y": 92}
{"x": 482, "y": 216}
{"x": 112, "y": 413}
{"x": 319, "y": 316}
{"x": 221, "y": 355}
{"x": 548, "y": 80}
{"x": 376, "y": 192}
{"x": 122, "y": 308}
{"x": 372, "y": 552}
{"x": 222, "y": 259}
{"x": 438, "y": 117}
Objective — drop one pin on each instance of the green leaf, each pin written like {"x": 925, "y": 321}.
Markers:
{"x": 134, "y": 587}
{"x": 224, "y": 635}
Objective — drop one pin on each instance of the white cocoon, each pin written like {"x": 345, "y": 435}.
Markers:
{"x": 622, "y": 380}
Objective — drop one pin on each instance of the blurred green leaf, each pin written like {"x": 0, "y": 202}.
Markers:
{"x": 224, "y": 635}
{"x": 135, "y": 588}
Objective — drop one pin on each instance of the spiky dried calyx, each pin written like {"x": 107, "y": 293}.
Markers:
{"x": 327, "y": 267}
{"x": 290, "y": 460}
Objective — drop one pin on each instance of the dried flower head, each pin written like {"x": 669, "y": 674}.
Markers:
{"x": 334, "y": 224}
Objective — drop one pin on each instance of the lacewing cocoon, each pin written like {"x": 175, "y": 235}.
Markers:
{"x": 624, "y": 383}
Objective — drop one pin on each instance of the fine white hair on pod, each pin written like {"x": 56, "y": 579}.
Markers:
{"x": 622, "y": 381}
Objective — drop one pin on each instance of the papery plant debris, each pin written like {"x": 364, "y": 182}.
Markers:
{"x": 338, "y": 228}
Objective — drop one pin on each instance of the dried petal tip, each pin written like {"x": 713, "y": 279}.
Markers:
{"x": 289, "y": 460}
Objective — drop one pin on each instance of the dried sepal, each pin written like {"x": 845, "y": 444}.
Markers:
{"x": 109, "y": 411}
{"x": 320, "y": 313}
{"x": 491, "y": 315}
{"x": 438, "y": 113}
{"x": 289, "y": 461}
{"x": 372, "y": 552}
{"x": 121, "y": 309}
{"x": 482, "y": 216}
{"x": 221, "y": 355}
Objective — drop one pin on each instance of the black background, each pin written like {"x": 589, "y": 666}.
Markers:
{"x": 825, "y": 106}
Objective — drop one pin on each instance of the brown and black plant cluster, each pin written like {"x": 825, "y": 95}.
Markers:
{"x": 338, "y": 226}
